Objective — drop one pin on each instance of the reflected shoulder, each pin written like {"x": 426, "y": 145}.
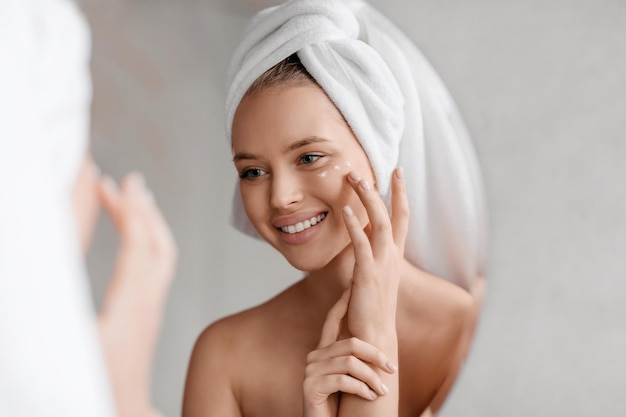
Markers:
{"x": 436, "y": 301}
{"x": 436, "y": 320}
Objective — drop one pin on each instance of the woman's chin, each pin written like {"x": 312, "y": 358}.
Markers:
{"x": 318, "y": 259}
{"x": 311, "y": 264}
{"x": 313, "y": 255}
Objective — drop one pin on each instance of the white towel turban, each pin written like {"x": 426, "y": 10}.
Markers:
{"x": 399, "y": 110}
{"x": 50, "y": 359}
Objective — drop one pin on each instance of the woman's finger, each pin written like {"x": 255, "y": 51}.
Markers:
{"x": 399, "y": 209}
{"x": 109, "y": 195}
{"x": 124, "y": 204}
{"x": 357, "y": 348}
{"x": 164, "y": 242}
{"x": 348, "y": 365}
{"x": 147, "y": 253}
{"x": 376, "y": 211}
{"x": 332, "y": 325}
{"x": 160, "y": 239}
{"x": 363, "y": 255}
{"x": 317, "y": 389}
{"x": 135, "y": 229}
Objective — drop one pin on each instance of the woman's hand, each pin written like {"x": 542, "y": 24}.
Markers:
{"x": 341, "y": 366}
{"x": 134, "y": 300}
{"x": 378, "y": 257}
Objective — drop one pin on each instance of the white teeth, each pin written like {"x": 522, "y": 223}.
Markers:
{"x": 300, "y": 226}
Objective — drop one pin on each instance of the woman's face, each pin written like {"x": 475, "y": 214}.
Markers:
{"x": 293, "y": 150}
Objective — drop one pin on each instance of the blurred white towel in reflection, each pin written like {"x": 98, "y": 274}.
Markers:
{"x": 50, "y": 357}
{"x": 398, "y": 108}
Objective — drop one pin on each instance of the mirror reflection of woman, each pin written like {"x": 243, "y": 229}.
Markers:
{"x": 58, "y": 358}
{"x": 372, "y": 192}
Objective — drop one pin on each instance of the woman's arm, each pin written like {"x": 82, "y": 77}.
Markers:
{"x": 346, "y": 366}
{"x": 134, "y": 301}
{"x": 372, "y": 310}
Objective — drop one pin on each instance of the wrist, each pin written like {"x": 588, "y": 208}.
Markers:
{"x": 386, "y": 340}
{"x": 375, "y": 331}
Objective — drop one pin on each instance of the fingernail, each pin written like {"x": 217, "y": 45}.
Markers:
{"x": 149, "y": 197}
{"x": 354, "y": 176}
{"x": 392, "y": 367}
{"x": 399, "y": 173}
{"x": 348, "y": 211}
{"x": 365, "y": 185}
{"x": 384, "y": 388}
{"x": 373, "y": 394}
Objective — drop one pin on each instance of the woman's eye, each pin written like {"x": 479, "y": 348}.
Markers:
{"x": 309, "y": 158}
{"x": 251, "y": 173}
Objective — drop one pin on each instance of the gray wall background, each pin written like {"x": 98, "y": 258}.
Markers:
{"x": 542, "y": 87}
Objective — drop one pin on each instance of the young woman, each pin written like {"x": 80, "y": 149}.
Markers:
{"x": 366, "y": 331}
{"x": 57, "y": 358}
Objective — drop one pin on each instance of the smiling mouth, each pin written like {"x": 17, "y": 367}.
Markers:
{"x": 301, "y": 226}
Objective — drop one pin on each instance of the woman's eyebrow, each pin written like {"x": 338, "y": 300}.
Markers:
{"x": 303, "y": 142}
{"x": 240, "y": 156}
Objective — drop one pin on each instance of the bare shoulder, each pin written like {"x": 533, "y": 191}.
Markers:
{"x": 211, "y": 388}
{"x": 226, "y": 355}
{"x": 226, "y": 333}
{"x": 227, "y": 340}
{"x": 214, "y": 375}
{"x": 435, "y": 326}
{"x": 435, "y": 303}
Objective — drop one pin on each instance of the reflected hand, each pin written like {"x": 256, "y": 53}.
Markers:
{"x": 134, "y": 300}
{"x": 378, "y": 257}
{"x": 341, "y": 366}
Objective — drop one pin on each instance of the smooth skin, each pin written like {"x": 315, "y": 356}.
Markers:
{"x": 133, "y": 304}
{"x": 290, "y": 355}
{"x": 341, "y": 365}
{"x": 371, "y": 310}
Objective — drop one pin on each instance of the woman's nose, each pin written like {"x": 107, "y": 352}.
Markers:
{"x": 286, "y": 190}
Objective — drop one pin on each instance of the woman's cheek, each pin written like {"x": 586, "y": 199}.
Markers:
{"x": 333, "y": 169}
{"x": 330, "y": 182}
{"x": 333, "y": 178}
{"x": 251, "y": 201}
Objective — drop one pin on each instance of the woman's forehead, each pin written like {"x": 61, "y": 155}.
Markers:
{"x": 286, "y": 114}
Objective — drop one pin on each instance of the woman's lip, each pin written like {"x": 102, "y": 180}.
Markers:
{"x": 303, "y": 236}
{"x": 292, "y": 219}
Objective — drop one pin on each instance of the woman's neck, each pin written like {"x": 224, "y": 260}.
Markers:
{"x": 325, "y": 286}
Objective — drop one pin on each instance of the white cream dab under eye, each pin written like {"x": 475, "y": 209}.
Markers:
{"x": 347, "y": 163}
{"x": 322, "y": 175}
{"x": 336, "y": 168}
